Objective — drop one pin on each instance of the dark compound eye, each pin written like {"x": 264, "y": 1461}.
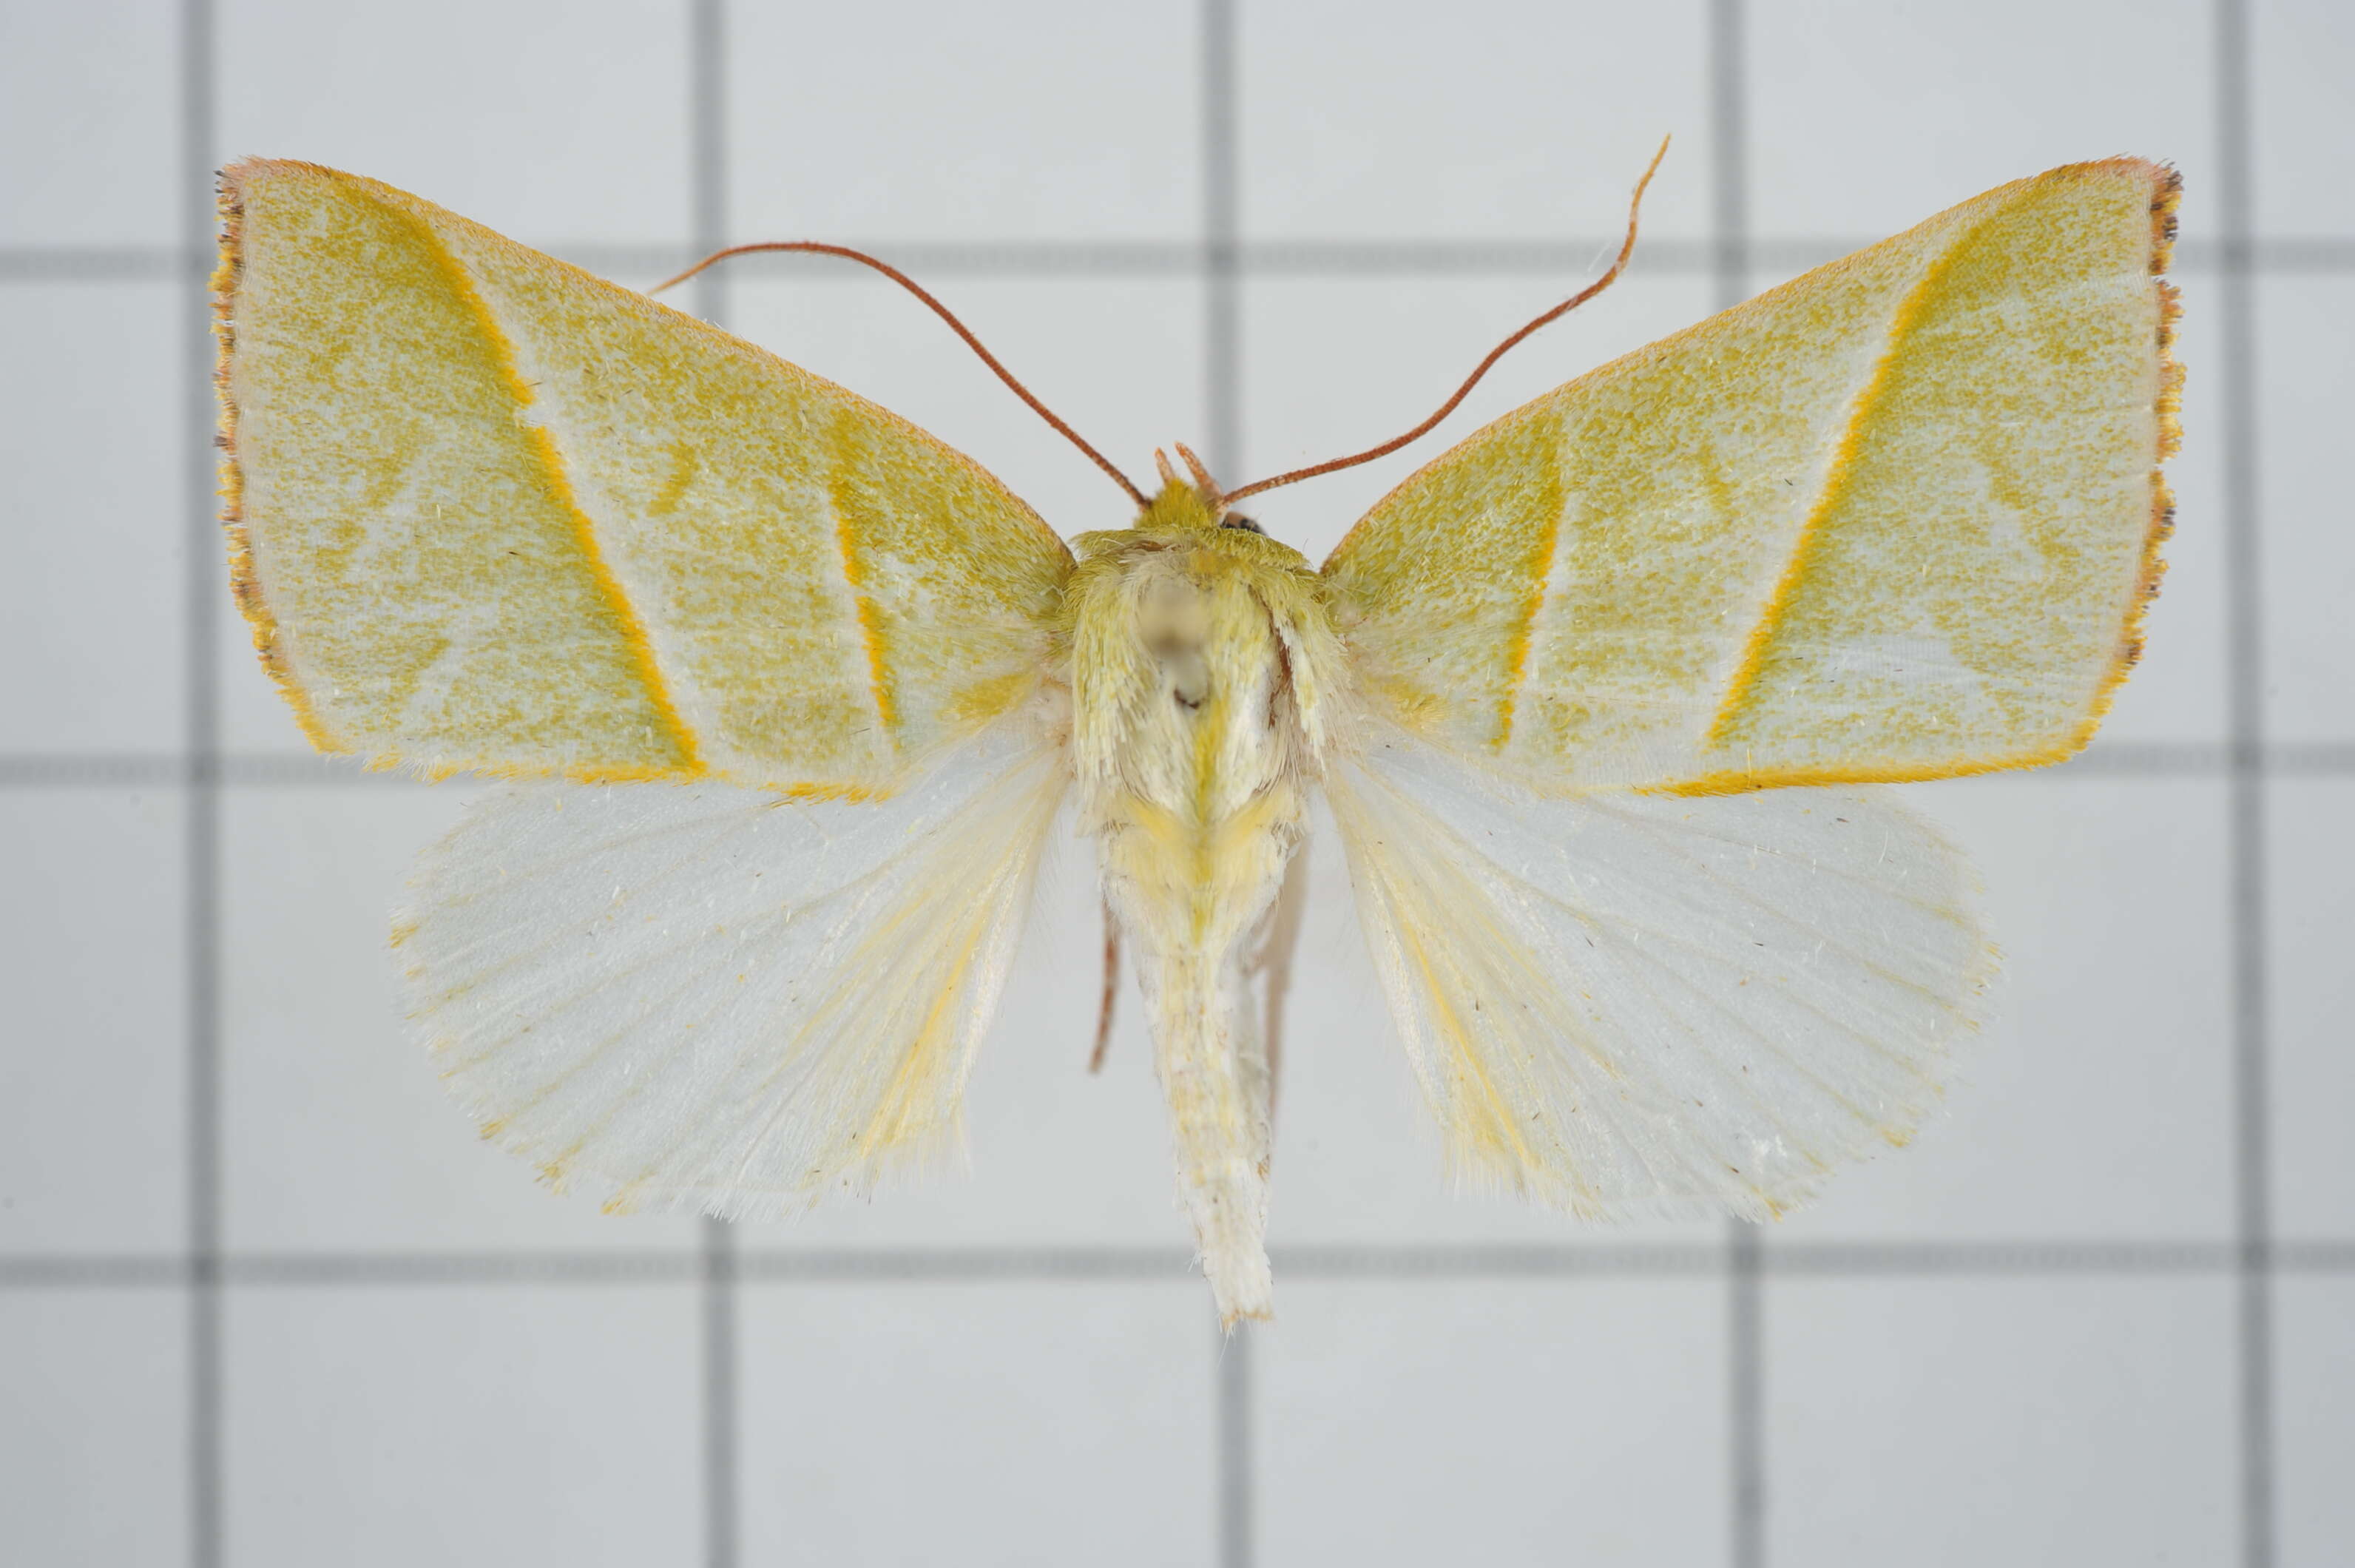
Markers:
{"x": 1237, "y": 520}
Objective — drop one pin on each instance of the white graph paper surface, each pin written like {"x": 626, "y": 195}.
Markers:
{"x": 263, "y": 1297}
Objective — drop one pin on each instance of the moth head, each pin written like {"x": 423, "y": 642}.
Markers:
{"x": 1190, "y": 501}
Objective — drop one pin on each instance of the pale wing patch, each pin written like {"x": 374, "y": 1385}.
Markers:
{"x": 1620, "y": 1003}
{"x": 696, "y": 994}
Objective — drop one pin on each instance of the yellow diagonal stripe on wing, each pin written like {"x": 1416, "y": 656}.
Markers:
{"x": 819, "y": 593}
{"x": 1839, "y": 486}
{"x": 412, "y": 577}
{"x": 559, "y": 492}
{"x": 833, "y": 592}
{"x": 959, "y": 577}
{"x": 1893, "y": 519}
{"x": 1447, "y": 571}
{"x": 1966, "y": 593}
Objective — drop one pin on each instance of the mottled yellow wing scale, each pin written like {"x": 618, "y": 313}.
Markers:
{"x": 490, "y": 512}
{"x": 1895, "y": 520}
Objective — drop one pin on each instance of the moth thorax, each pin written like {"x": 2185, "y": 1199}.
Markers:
{"x": 1174, "y": 624}
{"x": 1206, "y": 720}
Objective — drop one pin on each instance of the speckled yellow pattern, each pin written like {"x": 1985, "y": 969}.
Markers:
{"x": 493, "y": 513}
{"x": 1894, "y": 519}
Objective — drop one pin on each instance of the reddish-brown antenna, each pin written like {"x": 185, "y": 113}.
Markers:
{"x": 1626, "y": 248}
{"x": 913, "y": 287}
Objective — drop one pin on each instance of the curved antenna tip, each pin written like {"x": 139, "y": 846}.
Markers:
{"x": 1618, "y": 265}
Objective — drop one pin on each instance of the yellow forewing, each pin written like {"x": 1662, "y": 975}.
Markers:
{"x": 1895, "y": 520}
{"x": 491, "y": 512}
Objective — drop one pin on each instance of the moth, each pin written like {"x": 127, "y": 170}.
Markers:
{"x": 1599, "y": 701}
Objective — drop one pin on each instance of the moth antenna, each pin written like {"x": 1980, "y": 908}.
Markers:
{"x": 1202, "y": 480}
{"x": 1161, "y": 462}
{"x": 1626, "y": 248}
{"x": 913, "y": 287}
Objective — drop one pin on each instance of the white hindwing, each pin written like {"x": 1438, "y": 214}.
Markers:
{"x": 704, "y": 996}
{"x": 1621, "y": 1003}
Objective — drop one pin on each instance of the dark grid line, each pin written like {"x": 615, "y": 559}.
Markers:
{"x": 1662, "y": 255}
{"x": 2014, "y": 1258}
{"x": 1219, "y": 257}
{"x": 154, "y": 770}
{"x": 2244, "y": 699}
{"x": 2243, "y": 759}
{"x": 202, "y": 899}
{"x": 1745, "y": 1351}
{"x": 722, "y": 1389}
{"x": 266, "y": 770}
{"x": 1238, "y": 1476}
{"x": 716, "y": 1274}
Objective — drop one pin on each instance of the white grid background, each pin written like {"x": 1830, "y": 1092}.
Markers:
{"x": 263, "y": 1299}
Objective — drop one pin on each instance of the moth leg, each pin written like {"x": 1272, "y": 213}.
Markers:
{"x": 1278, "y": 942}
{"x": 1111, "y": 989}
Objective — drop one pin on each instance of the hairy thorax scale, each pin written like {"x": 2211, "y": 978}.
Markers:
{"x": 1203, "y": 678}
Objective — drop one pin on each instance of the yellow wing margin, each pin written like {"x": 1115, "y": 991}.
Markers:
{"x": 1896, "y": 519}
{"x": 486, "y": 511}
